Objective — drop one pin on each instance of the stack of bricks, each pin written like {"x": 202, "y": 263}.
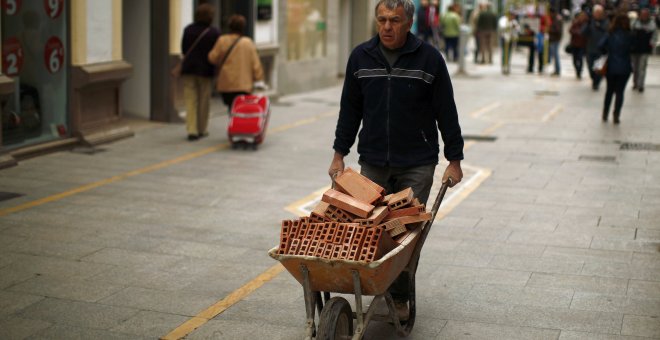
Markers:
{"x": 353, "y": 222}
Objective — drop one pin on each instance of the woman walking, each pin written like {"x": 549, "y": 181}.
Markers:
{"x": 616, "y": 45}
{"x": 578, "y": 42}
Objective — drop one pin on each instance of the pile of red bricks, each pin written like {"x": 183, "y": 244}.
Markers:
{"x": 355, "y": 222}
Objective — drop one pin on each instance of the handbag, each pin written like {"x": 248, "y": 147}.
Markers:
{"x": 600, "y": 66}
{"x": 568, "y": 49}
{"x": 176, "y": 70}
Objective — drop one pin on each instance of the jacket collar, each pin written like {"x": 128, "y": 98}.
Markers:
{"x": 412, "y": 44}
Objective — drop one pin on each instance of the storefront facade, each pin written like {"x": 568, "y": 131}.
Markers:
{"x": 71, "y": 70}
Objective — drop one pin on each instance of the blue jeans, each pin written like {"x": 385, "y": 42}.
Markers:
{"x": 395, "y": 179}
{"x": 554, "y": 55}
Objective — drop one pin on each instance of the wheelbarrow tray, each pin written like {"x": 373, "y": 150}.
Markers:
{"x": 336, "y": 275}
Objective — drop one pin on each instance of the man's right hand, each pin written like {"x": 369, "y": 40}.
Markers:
{"x": 336, "y": 166}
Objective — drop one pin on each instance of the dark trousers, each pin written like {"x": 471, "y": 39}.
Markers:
{"x": 530, "y": 57}
{"x": 595, "y": 77}
{"x": 395, "y": 179}
{"x": 228, "y": 98}
{"x": 616, "y": 84}
{"x": 578, "y": 60}
{"x": 451, "y": 43}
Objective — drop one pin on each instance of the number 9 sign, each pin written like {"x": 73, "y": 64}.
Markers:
{"x": 54, "y": 54}
{"x": 53, "y": 8}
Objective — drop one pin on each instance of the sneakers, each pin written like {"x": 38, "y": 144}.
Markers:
{"x": 402, "y": 311}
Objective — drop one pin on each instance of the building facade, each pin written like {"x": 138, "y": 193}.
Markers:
{"x": 72, "y": 70}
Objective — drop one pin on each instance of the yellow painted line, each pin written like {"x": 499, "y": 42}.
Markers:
{"x": 485, "y": 109}
{"x": 555, "y": 110}
{"x": 462, "y": 191}
{"x": 222, "y": 305}
{"x": 150, "y": 168}
{"x": 295, "y": 207}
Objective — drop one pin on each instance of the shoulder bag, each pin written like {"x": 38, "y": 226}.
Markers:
{"x": 176, "y": 70}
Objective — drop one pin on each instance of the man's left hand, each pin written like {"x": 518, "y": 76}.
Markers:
{"x": 454, "y": 172}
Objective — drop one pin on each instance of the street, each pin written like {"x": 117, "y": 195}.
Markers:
{"x": 553, "y": 233}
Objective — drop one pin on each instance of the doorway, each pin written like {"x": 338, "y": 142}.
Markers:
{"x": 136, "y": 31}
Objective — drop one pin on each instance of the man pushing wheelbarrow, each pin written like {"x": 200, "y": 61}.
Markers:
{"x": 398, "y": 88}
{"x": 366, "y": 234}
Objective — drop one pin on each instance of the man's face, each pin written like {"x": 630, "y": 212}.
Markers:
{"x": 393, "y": 26}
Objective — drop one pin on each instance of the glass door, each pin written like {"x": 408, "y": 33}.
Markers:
{"x": 34, "y": 54}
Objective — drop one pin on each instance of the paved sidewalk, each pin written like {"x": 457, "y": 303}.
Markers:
{"x": 554, "y": 233}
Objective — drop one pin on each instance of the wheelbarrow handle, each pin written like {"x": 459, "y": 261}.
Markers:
{"x": 427, "y": 224}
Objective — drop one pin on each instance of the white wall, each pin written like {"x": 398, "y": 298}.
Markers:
{"x": 99, "y": 31}
{"x": 136, "y": 90}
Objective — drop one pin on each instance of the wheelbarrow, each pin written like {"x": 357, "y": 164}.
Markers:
{"x": 319, "y": 277}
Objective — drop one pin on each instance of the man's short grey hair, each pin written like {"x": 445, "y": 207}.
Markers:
{"x": 408, "y": 7}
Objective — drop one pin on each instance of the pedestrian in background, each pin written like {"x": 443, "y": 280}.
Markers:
{"x": 555, "y": 32}
{"x": 644, "y": 34}
{"x": 473, "y": 26}
{"x": 196, "y": 71}
{"x": 578, "y": 41}
{"x": 400, "y": 111}
{"x": 239, "y": 66}
{"x": 594, "y": 31}
{"x": 486, "y": 28}
{"x": 508, "y": 28}
{"x": 617, "y": 44}
{"x": 451, "y": 29}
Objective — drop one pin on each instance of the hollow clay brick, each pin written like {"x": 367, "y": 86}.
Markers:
{"x": 284, "y": 236}
{"x": 349, "y": 232}
{"x": 348, "y": 203}
{"x": 383, "y": 243}
{"x": 408, "y": 211}
{"x": 318, "y": 214}
{"x": 311, "y": 251}
{"x": 377, "y": 215}
{"x": 327, "y": 251}
{"x": 319, "y": 249}
{"x": 338, "y": 215}
{"x": 400, "y": 199}
{"x": 339, "y": 233}
{"x": 423, "y": 217}
{"x": 345, "y": 248}
{"x": 331, "y": 229}
{"x": 358, "y": 186}
{"x": 397, "y": 230}
{"x": 293, "y": 249}
{"x": 304, "y": 245}
{"x": 336, "y": 251}
{"x": 391, "y": 224}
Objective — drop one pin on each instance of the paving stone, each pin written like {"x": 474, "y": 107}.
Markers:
{"x": 579, "y": 283}
{"x": 627, "y": 245}
{"x": 648, "y": 260}
{"x": 236, "y": 329}
{"x": 180, "y": 303}
{"x": 123, "y": 257}
{"x": 18, "y": 328}
{"x": 77, "y": 314}
{"x": 561, "y": 239}
{"x": 570, "y": 335}
{"x": 538, "y": 265}
{"x": 637, "y": 288}
{"x": 648, "y": 326}
{"x": 500, "y": 248}
{"x": 72, "y": 289}
{"x": 588, "y": 255}
{"x": 40, "y": 247}
{"x": 527, "y": 296}
{"x": 468, "y": 275}
{"x": 79, "y": 333}
{"x": 621, "y": 270}
{"x": 11, "y": 303}
{"x": 616, "y": 303}
{"x": 476, "y": 330}
{"x": 150, "y": 324}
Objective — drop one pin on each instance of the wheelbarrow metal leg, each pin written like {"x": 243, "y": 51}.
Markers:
{"x": 359, "y": 314}
{"x": 309, "y": 304}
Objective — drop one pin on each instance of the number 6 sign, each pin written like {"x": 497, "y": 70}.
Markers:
{"x": 53, "y": 8}
{"x": 54, "y": 54}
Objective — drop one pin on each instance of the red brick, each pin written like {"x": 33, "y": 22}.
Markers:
{"x": 391, "y": 224}
{"x": 339, "y": 233}
{"x": 345, "y": 249}
{"x": 331, "y": 230}
{"x": 338, "y": 215}
{"x": 284, "y": 237}
{"x": 400, "y": 199}
{"x": 423, "y": 217}
{"x": 319, "y": 249}
{"x": 336, "y": 251}
{"x": 311, "y": 251}
{"x": 304, "y": 245}
{"x": 319, "y": 211}
{"x": 348, "y": 234}
{"x": 327, "y": 251}
{"x": 358, "y": 186}
{"x": 377, "y": 215}
{"x": 408, "y": 211}
{"x": 397, "y": 231}
{"x": 348, "y": 203}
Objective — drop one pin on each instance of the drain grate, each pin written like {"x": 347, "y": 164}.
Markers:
{"x": 87, "y": 150}
{"x": 640, "y": 147}
{"x": 5, "y": 196}
{"x": 597, "y": 158}
{"x": 546, "y": 93}
{"x": 480, "y": 138}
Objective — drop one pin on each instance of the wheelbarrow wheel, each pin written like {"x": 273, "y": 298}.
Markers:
{"x": 336, "y": 320}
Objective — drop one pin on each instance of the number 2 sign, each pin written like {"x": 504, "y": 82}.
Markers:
{"x": 54, "y": 54}
{"x": 12, "y": 56}
{"x": 53, "y": 8}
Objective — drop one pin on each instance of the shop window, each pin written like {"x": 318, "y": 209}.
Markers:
{"x": 34, "y": 56}
{"x": 306, "y": 29}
